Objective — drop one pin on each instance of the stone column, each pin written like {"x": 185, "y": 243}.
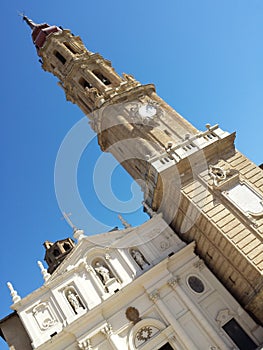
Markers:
{"x": 95, "y": 81}
{"x": 197, "y": 313}
{"x": 114, "y": 340}
{"x": 109, "y": 73}
{"x": 164, "y": 310}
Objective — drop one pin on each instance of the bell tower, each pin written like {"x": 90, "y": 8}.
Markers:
{"x": 206, "y": 190}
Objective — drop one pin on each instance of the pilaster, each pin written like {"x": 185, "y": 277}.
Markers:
{"x": 154, "y": 296}
{"x": 174, "y": 283}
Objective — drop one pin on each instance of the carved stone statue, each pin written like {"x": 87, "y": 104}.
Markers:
{"x": 74, "y": 301}
{"x": 103, "y": 272}
{"x": 138, "y": 257}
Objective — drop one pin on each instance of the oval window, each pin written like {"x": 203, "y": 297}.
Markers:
{"x": 196, "y": 284}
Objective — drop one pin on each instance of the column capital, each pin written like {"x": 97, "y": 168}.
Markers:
{"x": 107, "y": 329}
{"x": 85, "y": 344}
{"x": 173, "y": 282}
{"x": 199, "y": 264}
{"x": 154, "y": 295}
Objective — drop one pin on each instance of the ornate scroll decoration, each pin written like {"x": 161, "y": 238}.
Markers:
{"x": 218, "y": 174}
{"x": 131, "y": 81}
{"x": 199, "y": 264}
{"x": 44, "y": 316}
{"x": 223, "y": 317}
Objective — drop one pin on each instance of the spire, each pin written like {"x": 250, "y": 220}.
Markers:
{"x": 39, "y": 31}
{"x": 29, "y": 22}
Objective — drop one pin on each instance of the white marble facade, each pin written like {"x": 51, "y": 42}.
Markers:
{"x": 139, "y": 288}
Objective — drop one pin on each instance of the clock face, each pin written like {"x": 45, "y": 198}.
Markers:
{"x": 147, "y": 111}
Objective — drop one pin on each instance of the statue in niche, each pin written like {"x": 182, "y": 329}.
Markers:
{"x": 139, "y": 258}
{"x": 74, "y": 301}
{"x": 103, "y": 272}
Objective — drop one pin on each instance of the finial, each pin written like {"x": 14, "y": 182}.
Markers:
{"x": 14, "y": 295}
{"x": 148, "y": 209}
{"x": 124, "y": 222}
{"x": 66, "y": 217}
{"x": 78, "y": 234}
{"x": 28, "y": 21}
{"x": 44, "y": 272}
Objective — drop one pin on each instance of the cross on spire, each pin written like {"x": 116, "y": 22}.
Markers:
{"x": 28, "y": 21}
{"x": 67, "y": 218}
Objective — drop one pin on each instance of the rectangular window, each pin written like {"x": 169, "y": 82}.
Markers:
{"x": 101, "y": 77}
{"x": 60, "y": 57}
{"x": 239, "y": 336}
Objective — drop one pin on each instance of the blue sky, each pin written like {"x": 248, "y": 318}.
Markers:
{"x": 205, "y": 58}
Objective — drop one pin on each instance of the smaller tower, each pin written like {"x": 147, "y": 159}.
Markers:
{"x": 56, "y": 252}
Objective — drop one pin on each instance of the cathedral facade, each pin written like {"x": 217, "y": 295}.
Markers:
{"x": 190, "y": 277}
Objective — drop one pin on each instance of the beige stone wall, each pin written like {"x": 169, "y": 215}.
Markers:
{"x": 228, "y": 241}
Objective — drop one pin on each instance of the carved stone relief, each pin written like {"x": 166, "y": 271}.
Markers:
{"x": 223, "y": 317}
{"x": 218, "y": 174}
{"x": 44, "y": 316}
{"x": 144, "y": 334}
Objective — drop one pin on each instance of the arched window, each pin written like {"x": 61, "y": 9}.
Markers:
{"x": 56, "y": 252}
{"x": 101, "y": 77}
{"x": 66, "y": 246}
{"x": 84, "y": 83}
